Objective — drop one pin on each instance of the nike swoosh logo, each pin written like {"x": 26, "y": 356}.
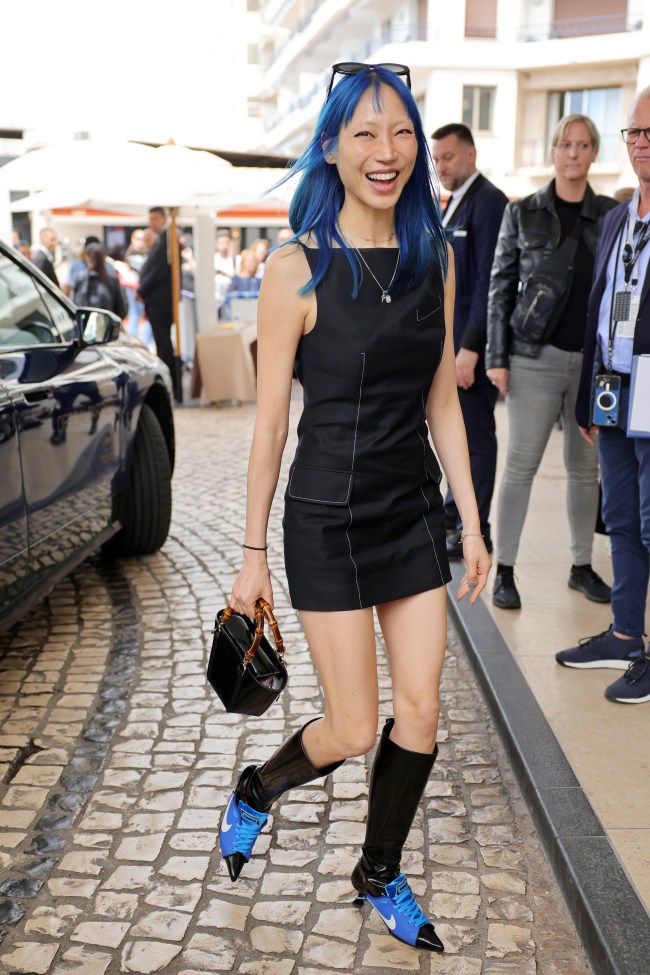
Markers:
{"x": 391, "y": 922}
{"x": 226, "y": 826}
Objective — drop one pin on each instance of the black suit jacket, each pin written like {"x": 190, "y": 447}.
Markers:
{"x": 46, "y": 265}
{"x": 473, "y": 231}
{"x": 156, "y": 279}
{"x": 592, "y": 362}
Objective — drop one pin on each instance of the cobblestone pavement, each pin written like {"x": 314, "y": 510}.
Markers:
{"x": 117, "y": 758}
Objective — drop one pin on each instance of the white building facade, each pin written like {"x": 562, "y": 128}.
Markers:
{"x": 508, "y": 68}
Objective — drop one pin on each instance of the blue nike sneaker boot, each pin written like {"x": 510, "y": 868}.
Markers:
{"x": 257, "y": 789}
{"x": 400, "y": 912}
{"x": 240, "y": 827}
{"x": 397, "y": 781}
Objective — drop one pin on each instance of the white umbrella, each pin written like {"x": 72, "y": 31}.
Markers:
{"x": 123, "y": 174}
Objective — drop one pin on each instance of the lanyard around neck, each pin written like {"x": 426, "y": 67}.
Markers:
{"x": 631, "y": 251}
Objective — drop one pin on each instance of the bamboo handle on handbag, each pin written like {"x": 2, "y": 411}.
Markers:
{"x": 262, "y": 610}
{"x": 273, "y": 623}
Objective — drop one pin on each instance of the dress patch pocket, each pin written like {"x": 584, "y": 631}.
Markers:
{"x": 319, "y": 485}
{"x": 424, "y": 311}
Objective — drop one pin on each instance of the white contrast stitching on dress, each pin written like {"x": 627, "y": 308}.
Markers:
{"x": 299, "y": 497}
{"x": 424, "y": 464}
{"x": 356, "y": 426}
{"x": 354, "y": 447}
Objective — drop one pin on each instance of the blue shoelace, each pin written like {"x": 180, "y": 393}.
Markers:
{"x": 407, "y": 905}
{"x": 246, "y": 834}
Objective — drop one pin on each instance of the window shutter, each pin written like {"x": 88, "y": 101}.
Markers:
{"x": 574, "y": 18}
{"x": 481, "y": 18}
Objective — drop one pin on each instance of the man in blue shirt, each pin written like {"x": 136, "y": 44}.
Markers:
{"x": 618, "y": 328}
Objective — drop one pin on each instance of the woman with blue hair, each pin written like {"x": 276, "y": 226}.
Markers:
{"x": 360, "y": 300}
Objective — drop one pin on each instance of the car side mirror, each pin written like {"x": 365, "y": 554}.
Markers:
{"x": 97, "y": 327}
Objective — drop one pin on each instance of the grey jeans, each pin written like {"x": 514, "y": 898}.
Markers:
{"x": 539, "y": 391}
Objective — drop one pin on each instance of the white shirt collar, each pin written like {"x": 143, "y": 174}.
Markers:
{"x": 457, "y": 197}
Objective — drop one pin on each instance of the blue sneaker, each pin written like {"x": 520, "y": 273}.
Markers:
{"x": 240, "y": 826}
{"x": 634, "y": 686}
{"x": 604, "y": 650}
{"x": 399, "y": 910}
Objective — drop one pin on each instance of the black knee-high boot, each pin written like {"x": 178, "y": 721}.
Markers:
{"x": 397, "y": 782}
{"x": 260, "y": 785}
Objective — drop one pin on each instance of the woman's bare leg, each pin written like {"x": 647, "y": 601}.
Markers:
{"x": 415, "y": 632}
{"x": 343, "y": 649}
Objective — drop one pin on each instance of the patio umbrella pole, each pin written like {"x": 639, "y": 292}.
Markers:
{"x": 176, "y": 303}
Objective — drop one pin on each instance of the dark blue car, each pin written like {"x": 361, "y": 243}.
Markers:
{"x": 86, "y": 437}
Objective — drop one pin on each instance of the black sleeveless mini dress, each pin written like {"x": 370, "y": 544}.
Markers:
{"x": 364, "y": 518}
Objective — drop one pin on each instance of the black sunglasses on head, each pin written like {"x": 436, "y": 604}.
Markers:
{"x": 356, "y": 67}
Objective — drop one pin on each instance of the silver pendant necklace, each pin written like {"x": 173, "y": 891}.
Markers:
{"x": 384, "y": 291}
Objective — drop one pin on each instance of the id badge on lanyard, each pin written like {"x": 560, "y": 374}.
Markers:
{"x": 626, "y": 303}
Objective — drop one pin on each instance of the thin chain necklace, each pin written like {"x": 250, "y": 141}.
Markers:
{"x": 371, "y": 240}
{"x": 384, "y": 291}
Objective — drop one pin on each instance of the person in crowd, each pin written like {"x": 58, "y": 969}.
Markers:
{"x": 99, "y": 287}
{"x": 45, "y": 252}
{"x": 77, "y": 268}
{"x": 261, "y": 248}
{"x": 156, "y": 288}
{"x": 23, "y": 248}
{"x": 618, "y": 332}
{"x": 537, "y": 313}
{"x": 245, "y": 280}
{"x": 224, "y": 267}
{"x": 473, "y": 215}
{"x": 283, "y": 235}
{"x": 134, "y": 258}
{"x": 361, "y": 303}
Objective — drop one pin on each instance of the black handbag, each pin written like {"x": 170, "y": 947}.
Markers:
{"x": 544, "y": 297}
{"x": 247, "y": 673}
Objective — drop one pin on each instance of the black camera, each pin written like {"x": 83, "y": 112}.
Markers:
{"x": 606, "y": 401}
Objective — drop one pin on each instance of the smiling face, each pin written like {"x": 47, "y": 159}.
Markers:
{"x": 375, "y": 153}
{"x": 639, "y": 152}
{"x": 574, "y": 153}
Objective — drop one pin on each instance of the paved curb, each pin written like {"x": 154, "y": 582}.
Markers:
{"x": 611, "y": 919}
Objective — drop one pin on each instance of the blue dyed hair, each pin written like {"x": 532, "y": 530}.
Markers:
{"x": 319, "y": 195}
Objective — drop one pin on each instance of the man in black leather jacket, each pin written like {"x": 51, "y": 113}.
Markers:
{"x": 541, "y": 379}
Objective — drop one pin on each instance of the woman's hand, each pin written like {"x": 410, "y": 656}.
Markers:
{"x": 478, "y": 564}
{"x": 252, "y": 582}
{"x": 499, "y": 378}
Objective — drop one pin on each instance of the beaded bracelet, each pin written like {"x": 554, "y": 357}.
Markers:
{"x": 256, "y": 548}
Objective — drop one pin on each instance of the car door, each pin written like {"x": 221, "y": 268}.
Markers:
{"x": 68, "y": 403}
{"x": 13, "y": 514}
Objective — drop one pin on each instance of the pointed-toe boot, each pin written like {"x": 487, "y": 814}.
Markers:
{"x": 257, "y": 789}
{"x": 397, "y": 781}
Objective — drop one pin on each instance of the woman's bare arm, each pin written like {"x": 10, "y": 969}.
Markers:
{"x": 450, "y": 441}
{"x": 282, "y": 316}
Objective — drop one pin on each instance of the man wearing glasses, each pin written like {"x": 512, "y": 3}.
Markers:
{"x": 610, "y": 395}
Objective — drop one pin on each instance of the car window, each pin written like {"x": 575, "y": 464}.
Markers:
{"x": 59, "y": 314}
{"x": 24, "y": 318}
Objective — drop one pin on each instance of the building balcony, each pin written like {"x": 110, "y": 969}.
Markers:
{"x": 580, "y": 27}
{"x": 400, "y": 34}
